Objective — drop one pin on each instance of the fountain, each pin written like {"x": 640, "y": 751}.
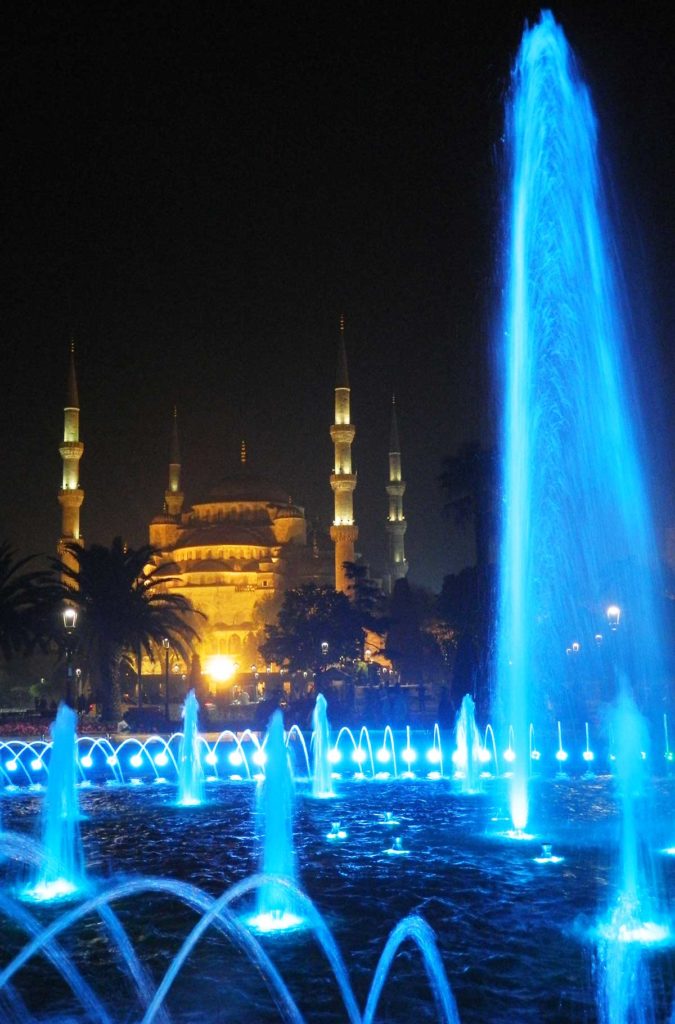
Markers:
{"x": 576, "y": 533}
{"x": 322, "y": 781}
{"x": 190, "y": 772}
{"x": 275, "y": 909}
{"x": 62, "y": 872}
{"x": 467, "y": 756}
{"x": 577, "y": 542}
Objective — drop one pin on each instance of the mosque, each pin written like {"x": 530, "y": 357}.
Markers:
{"x": 235, "y": 551}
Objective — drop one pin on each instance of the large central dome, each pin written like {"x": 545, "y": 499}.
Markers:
{"x": 245, "y": 485}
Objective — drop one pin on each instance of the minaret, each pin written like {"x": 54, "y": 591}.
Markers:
{"x": 164, "y": 528}
{"x": 71, "y": 495}
{"x": 173, "y": 497}
{"x": 344, "y": 530}
{"x": 397, "y": 567}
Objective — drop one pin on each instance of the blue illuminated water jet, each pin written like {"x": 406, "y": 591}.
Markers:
{"x": 576, "y": 529}
{"x": 468, "y": 749}
{"x": 62, "y": 873}
{"x": 275, "y": 909}
{"x": 190, "y": 772}
{"x": 322, "y": 780}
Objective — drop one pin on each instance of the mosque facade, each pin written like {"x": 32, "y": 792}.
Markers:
{"x": 234, "y": 552}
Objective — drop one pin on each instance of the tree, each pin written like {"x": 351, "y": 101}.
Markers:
{"x": 470, "y": 482}
{"x": 366, "y": 597}
{"x": 311, "y": 616}
{"x": 27, "y": 601}
{"x": 124, "y": 608}
{"x": 467, "y": 605}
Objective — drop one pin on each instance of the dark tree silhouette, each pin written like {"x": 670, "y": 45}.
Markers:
{"x": 27, "y": 601}
{"x": 470, "y": 480}
{"x": 124, "y": 607}
{"x": 310, "y": 616}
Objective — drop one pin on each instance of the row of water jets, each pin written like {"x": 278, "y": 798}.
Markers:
{"x": 190, "y": 756}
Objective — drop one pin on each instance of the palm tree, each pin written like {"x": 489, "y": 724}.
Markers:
{"x": 470, "y": 482}
{"x": 27, "y": 599}
{"x": 124, "y": 609}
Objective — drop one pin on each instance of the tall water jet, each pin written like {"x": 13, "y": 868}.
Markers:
{"x": 322, "y": 779}
{"x": 576, "y": 531}
{"x": 190, "y": 771}
{"x": 62, "y": 873}
{"x": 275, "y": 910}
{"x": 467, "y": 755}
{"x": 635, "y": 920}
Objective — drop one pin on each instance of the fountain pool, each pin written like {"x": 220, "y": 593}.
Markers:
{"x": 514, "y": 934}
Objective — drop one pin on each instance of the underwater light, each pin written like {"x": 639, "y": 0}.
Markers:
{"x": 359, "y": 755}
{"x": 334, "y": 756}
{"x": 588, "y": 755}
{"x": 111, "y": 759}
{"x": 397, "y": 849}
{"x": 161, "y": 759}
{"x": 135, "y": 760}
{"x": 275, "y": 921}
{"x": 535, "y": 755}
{"x": 236, "y": 760}
{"x": 336, "y": 831}
{"x": 211, "y": 758}
{"x": 456, "y": 757}
{"x": 509, "y": 755}
{"x": 383, "y": 755}
{"x": 547, "y": 856}
{"x": 86, "y": 761}
{"x": 12, "y": 765}
{"x": 561, "y": 755}
{"x": 668, "y": 755}
{"x": 409, "y": 755}
{"x": 259, "y": 757}
{"x": 484, "y": 755}
{"x": 37, "y": 764}
{"x": 433, "y": 755}
{"x": 646, "y": 933}
{"x": 44, "y": 892}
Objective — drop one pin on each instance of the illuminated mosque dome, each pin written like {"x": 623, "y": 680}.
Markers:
{"x": 233, "y": 554}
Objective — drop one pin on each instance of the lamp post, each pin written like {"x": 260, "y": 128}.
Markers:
{"x": 78, "y": 677}
{"x": 69, "y": 624}
{"x": 165, "y": 645}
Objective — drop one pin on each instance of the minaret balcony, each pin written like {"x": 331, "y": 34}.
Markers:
{"x": 71, "y": 451}
{"x": 342, "y": 433}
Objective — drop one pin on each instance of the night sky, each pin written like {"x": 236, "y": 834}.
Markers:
{"x": 195, "y": 193}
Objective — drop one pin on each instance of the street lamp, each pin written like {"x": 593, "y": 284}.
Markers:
{"x": 165, "y": 645}
{"x": 69, "y": 624}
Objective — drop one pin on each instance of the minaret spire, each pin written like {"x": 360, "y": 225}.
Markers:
{"x": 397, "y": 567}
{"x": 344, "y": 530}
{"x": 173, "y": 496}
{"x": 71, "y": 495}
